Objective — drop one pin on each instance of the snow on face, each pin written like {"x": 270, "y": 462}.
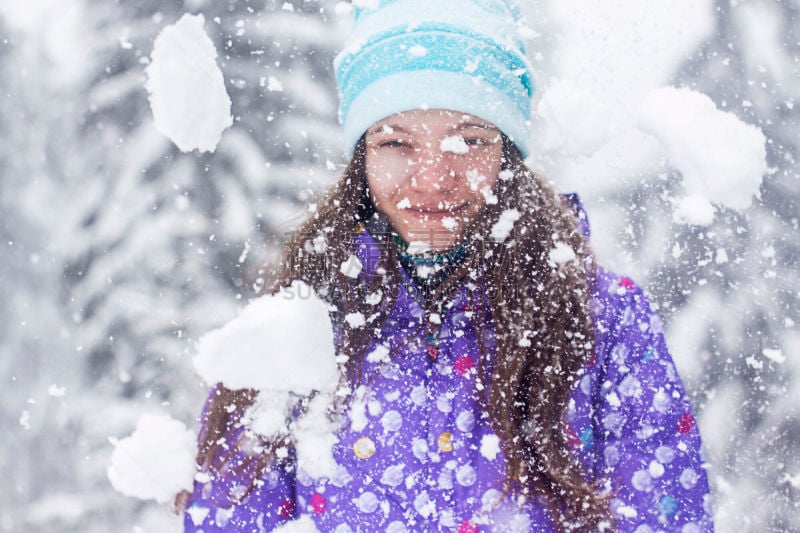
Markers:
{"x": 419, "y": 165}
{"x": 281, "y": 342}
{"x": 156, "y": 462}
{"x": 187, "y": 91}
{"x": 455, "y": 144}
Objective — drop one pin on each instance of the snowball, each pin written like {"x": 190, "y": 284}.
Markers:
{"x": 352, "y": 267}
{"x": 304, "y": 524}
{"x": 187, "y": 91}
{"x": 694, "y": 209}
{"x": 562, "y": 253}
{"x": 455, "y": 144}
{"x": 504, "y": 225}
{"x": 720, "y": 157}
{"x": 490, "y": 446}
{"x": 156, "y": 462}
{"x": 281, "y": 342}
{"x": 574, "y": 120}
{"x": 315, "y": 438}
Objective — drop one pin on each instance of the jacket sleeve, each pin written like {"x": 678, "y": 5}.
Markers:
{"x": 224, "y": 499}
{"x": 647, "y": 445}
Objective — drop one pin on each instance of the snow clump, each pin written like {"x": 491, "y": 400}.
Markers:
{"x": 720, "y": 157}
{"x": 280, "y": 342}
{"x": 268, "y": 414}
{"x": 379, "y": 355}
{"x": 352, "y": 267}
{"x": 454, "y": 144}
{"x": 315, "y": 437}
{"x": 187, "y": 91}
{"x": 562, "y": 253}
{"x": 282, "y": 346}
{"x": 504, "y": 225}
{"x": 490, "y": 446}
{"x": 156, "y": 462}
{"x": 355, "y": 320}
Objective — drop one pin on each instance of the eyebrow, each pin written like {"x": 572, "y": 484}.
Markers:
{"x": 379, "y": 129}
{"x": 467, "y": 125}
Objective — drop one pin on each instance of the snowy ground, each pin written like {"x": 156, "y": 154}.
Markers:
{"x": 676, "y": 122}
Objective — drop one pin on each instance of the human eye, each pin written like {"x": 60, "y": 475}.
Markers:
{"x": 393, "y": 143}
{"x": 475, "y": 141}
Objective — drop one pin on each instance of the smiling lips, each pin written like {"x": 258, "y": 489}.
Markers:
{"x": 435, "y": 211}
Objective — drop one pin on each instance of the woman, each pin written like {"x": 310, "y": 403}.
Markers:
{"x": 499, "y": 379}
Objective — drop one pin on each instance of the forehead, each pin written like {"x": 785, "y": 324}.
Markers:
{"x": 429, "y": 120}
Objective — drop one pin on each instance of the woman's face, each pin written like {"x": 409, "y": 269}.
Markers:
{"x": 431, "y": 171}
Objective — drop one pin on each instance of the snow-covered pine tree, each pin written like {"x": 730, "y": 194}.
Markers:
{"x": 741, "y": 306}
{"x": 146, "y": 247}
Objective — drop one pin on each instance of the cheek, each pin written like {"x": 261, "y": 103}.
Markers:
{"x": 385, "y": 178}
{"x": 481, "y": 175}
{"x": 490, "y": 167}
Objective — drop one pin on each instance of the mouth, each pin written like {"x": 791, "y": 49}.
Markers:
{"x": 436, "y": 212}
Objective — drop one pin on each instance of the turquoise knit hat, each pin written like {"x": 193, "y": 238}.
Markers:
{"x": 464, "y": 55}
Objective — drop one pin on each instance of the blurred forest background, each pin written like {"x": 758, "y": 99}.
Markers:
{"x": 119, "y": 251}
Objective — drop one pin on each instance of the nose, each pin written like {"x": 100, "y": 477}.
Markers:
{"x": 434, "y": 173}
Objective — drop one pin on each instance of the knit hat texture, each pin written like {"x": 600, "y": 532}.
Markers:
{"x": 463, "y": 55}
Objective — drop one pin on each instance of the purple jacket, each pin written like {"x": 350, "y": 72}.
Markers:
{"x": 421, "y": 457}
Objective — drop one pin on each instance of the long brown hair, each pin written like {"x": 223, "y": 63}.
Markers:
{"x": 539, "y": 312}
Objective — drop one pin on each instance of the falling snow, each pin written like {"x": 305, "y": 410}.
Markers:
{"x": 124, "y": 245}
